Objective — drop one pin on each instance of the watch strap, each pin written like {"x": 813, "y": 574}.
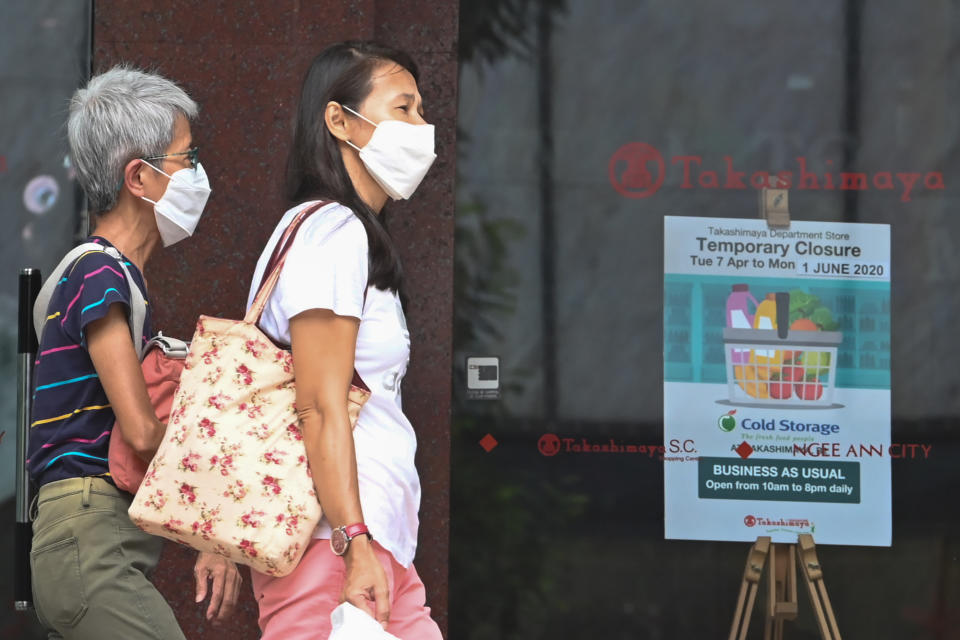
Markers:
{"x": 356, "y": 529}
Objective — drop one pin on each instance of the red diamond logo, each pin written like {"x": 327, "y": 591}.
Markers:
{"x": 488, "y": 442}
{"x": 744, "y": 450}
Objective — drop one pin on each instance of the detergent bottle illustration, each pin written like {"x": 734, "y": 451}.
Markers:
{"x": 754, "y": 376}
{"x": 739, "y": 316}
{"x": 766, "y": 362}
{"x": 766, "y": 316}
{"x": 745, "y": 373}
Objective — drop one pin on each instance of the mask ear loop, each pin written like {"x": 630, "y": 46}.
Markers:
{"x": 122, "y": 180}
{"x": 156, "y": 168}
{"x": 154, "y": 202}
{"x": 359, "y": 116}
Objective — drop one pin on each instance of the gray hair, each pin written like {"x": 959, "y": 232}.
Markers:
{"x": 121, "y": 114}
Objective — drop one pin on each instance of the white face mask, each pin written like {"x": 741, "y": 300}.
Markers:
{"x": 398, "y": 155}
{"x": 179, "y": 208}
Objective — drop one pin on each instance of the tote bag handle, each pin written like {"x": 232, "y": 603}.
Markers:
{"x": 271, "y": 275}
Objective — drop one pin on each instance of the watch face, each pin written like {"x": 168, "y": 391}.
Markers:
{"x": 339, "y": 541}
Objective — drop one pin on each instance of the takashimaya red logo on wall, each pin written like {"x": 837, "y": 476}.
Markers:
{"x": 549, "y": 444}
{"x": 638, "y": 170}
{"x": 630, "y": 170}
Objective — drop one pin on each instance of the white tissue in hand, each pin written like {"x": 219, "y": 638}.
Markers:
{"x": 350, "y": 623}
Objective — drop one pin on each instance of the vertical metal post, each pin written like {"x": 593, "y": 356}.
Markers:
{"x": 852, "y": 27}
{"x": 548, "y": 241}
{"x": 29, "y": 287}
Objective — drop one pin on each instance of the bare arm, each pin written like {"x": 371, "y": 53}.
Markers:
{"x": 116, "y": 362}
{"x": 117, "y": 365}
{"x": 323, "y": 346}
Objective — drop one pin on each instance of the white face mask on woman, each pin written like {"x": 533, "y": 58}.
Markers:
{"x": 398, "y": 155}
{"x": 179, "y": 208}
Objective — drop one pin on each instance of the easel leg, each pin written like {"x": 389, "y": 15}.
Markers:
{"x": 738, "y": 612}
{"x": 782, "y": 591}
{"x": 829, "y": 608}
{"x": 748, "y": 588}
{"x": 768, "y": 625}
{"x": 813, "y": 576}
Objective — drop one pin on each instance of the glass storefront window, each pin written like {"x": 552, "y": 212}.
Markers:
{"x": 560, "y": 276}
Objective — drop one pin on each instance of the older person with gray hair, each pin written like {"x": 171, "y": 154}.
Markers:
{"x": 131, "y": 143}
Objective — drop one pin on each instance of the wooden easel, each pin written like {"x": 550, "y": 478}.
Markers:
{"x": 782, "y": 588}
{"x": 784, "y": 558}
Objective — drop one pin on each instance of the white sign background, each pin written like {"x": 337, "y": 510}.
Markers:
{"x": 840, "y": 485}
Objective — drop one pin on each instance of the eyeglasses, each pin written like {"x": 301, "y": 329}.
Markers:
{"x": 191, "y": 154}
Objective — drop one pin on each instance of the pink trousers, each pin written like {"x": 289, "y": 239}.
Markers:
{"x": 298, "y": 606}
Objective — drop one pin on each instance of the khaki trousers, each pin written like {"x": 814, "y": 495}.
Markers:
{"x": 90, "y": 565}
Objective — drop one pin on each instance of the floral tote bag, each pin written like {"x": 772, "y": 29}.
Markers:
{"x": 231, "y": 474}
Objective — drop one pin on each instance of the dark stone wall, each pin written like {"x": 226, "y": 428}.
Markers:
{"x": 243, "y": 61}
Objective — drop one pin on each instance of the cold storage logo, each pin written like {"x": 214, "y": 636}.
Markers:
{"x": 789, "y": 426}
{"x": 727, "y": 422}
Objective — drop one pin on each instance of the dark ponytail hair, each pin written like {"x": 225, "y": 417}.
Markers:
{"x": 341, "y": 73}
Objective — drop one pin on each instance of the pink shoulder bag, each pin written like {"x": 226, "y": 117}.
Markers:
{"x": 162, "y": 365}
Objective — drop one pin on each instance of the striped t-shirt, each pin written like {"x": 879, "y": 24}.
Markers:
{"x": 72, "y": 418}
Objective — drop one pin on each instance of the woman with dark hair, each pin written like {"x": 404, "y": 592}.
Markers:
{"x": 360, "y": 139}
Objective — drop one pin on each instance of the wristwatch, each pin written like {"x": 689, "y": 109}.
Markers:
{"x": 341, "y": 536}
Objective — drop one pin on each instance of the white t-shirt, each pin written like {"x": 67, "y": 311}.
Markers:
{"x": 326, "y": 268}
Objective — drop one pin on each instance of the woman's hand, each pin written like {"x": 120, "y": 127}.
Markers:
{"x": 366, "y": 584}
{"x": 226, "y": 584}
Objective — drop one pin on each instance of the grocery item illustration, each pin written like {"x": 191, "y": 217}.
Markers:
{"x": 739, "y": 316}
{"x": 791, "y": 352}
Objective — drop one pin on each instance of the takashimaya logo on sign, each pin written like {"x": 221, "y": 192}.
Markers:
{"x": 793, "y": 523}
